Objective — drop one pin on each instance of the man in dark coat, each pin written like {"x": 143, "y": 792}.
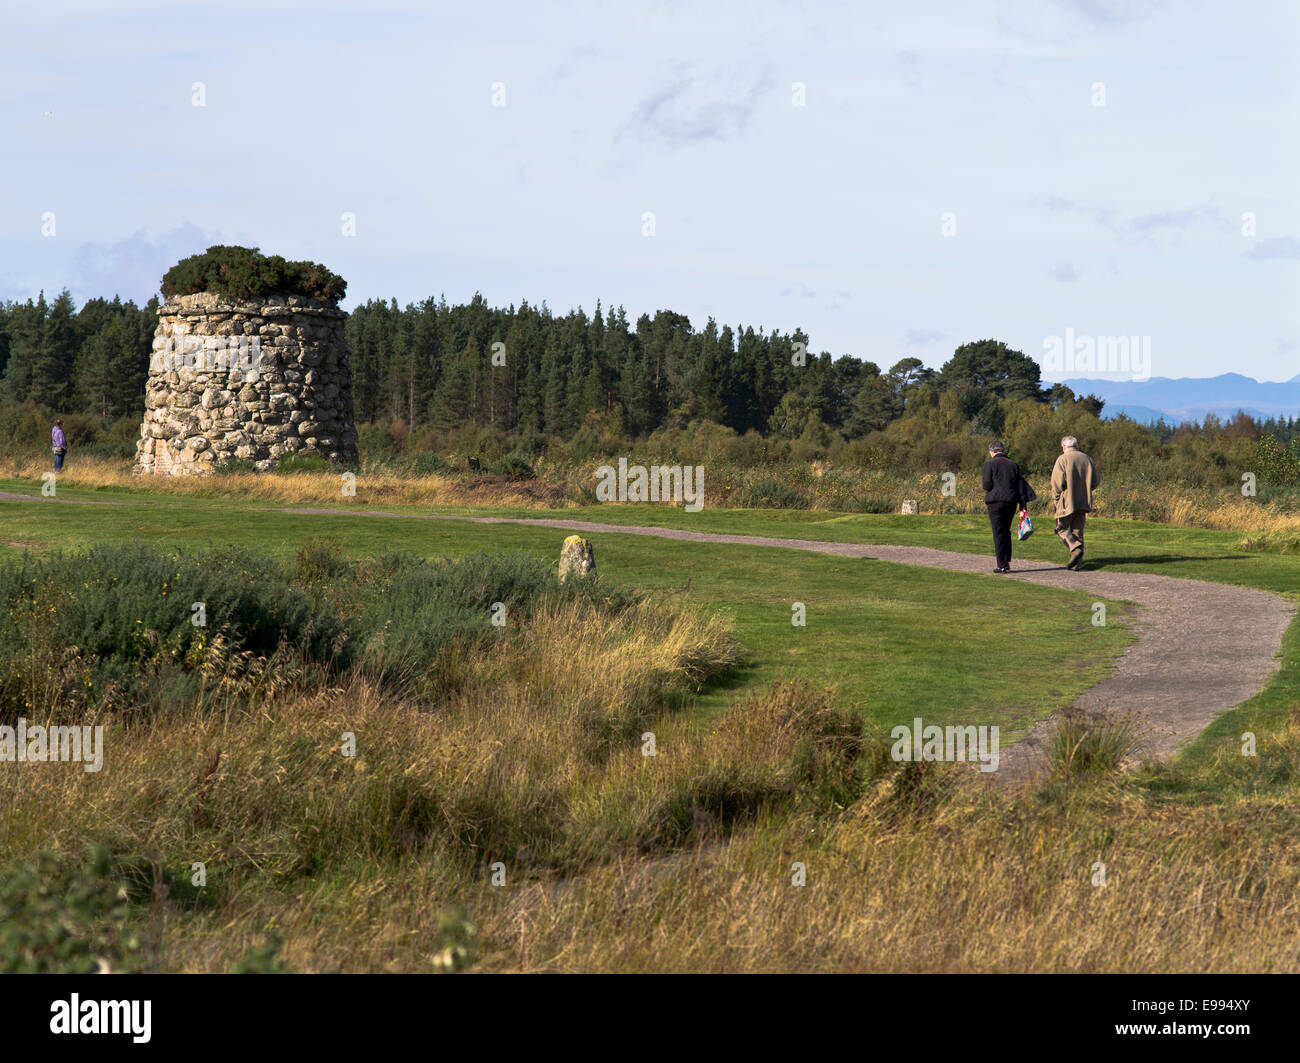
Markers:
{"x": 1004, "y": 494}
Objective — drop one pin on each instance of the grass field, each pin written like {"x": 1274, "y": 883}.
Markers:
{"x": 509, "y": 819}
{"x": 1227, "y": 555}
{"x": 862, "y": 616}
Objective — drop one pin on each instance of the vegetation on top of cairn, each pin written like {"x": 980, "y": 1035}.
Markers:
{"x": 246, "y": 273}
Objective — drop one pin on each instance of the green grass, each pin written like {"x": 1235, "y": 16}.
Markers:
{"x": 1114, "y": 545}
{"x": 895, "y": 641}
{"x": 1212, "y": 767}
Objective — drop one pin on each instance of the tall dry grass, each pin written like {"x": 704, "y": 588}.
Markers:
{"x": 535, "y": 770}
{"x": 375, "y": 487}
{"x": 1272, "y": 524}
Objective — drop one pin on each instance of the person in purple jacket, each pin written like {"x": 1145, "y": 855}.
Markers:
{"x": 60, "y": 445}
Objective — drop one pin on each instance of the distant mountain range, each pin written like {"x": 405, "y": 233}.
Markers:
{"x": 1191, "y": 398}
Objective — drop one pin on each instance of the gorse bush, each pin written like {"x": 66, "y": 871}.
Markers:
{"x": 1277, "y": 465}
{"x": 245, "y": 273}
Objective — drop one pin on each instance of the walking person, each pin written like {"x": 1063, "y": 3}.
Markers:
{"x": 1004, "y": 494}
{"x": 1074, "y": 478}
{"x": 60, "y": 445}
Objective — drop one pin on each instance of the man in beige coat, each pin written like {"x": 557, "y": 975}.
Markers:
{"x": 1074, "y": 478}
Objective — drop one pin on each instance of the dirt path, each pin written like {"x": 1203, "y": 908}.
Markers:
{"x": 9, "y": 496}
{"x": 1201, "y": 647}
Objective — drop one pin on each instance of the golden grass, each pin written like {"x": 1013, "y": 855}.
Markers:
{"x": 684, "y": 861}
{"x": 556, "y": 487}
{"x": 984, "y": 885}
{"x": 374, "y": 487}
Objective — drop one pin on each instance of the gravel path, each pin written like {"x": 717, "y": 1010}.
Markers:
{"x": 10, "y": 496}
{"x": 1201, "y": 647}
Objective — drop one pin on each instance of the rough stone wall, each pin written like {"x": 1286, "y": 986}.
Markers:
{"x": 239, "y": 380}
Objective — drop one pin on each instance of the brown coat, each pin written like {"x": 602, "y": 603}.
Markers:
{"x": 1074, "y": 478}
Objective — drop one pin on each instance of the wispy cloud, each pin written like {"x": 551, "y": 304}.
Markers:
{"x": 1276, "y": 247}
{"x": 693, "y": 108}
{"x": 1065, "y": 272}
{"x": 1102, "y": 216}
{"x": 920, "y": 337}
{"x": 909, "y": 69}
{"x": 574, "y": 58}
{"x": 133, "y": 267}
{"x": 1147, "y": 228}
{"x": 1112, "y": 13}
{"x": 1177, "y": 219}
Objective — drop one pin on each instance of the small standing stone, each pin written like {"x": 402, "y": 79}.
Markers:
{"x": 911, "y": 505}
{"x": 577, "y": 558}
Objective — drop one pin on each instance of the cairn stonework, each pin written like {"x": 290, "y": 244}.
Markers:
{"x": 254, "y": 381}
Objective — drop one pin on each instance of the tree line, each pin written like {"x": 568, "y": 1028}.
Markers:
{"x": 527, "y": 370}
{"x": 93, "y": 361}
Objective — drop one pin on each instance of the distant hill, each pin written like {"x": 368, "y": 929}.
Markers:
{"x": 1179, "y": 399}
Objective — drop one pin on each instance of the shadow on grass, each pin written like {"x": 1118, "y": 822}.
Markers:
{"x": 1159, "y": 559}
{"x": 733, "y": 679}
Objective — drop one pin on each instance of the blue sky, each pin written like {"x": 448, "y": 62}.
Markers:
{"x": 1121, "y": 219}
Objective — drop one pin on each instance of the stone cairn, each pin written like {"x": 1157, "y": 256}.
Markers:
{"x": 253, "y": 381}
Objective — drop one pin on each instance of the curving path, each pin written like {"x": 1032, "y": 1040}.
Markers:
{"x": 1201, "y": 647}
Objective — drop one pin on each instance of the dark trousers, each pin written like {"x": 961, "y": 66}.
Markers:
{"x": 1001, "y": 514}
{"x": 58, "y": 462}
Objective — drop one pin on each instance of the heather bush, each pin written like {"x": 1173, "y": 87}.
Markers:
{"x": 245, "y": 273}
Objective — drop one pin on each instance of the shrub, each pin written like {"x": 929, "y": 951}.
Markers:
{"x": 103, "y": 626}
{"x": 234, "y": 466}
{"x": 1092, "y": 746}
{"x": 513, "y": 466}
{"x": 1276, "y": 464}
{"x": 375, "y": 443}
{"x": 113, "y": 450}
{"x": 62, "y": 916}
{"x": 871, "y": 504}
{"x": 113, "y": 627}
{"x": 424, "y": 463}
{"x": 308, "y": 463}
{"x": 419, "y": 615}
{"x": 319, "y": 560}
{"x": 769, "y": 494}
{"x": 245, "y": 273}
